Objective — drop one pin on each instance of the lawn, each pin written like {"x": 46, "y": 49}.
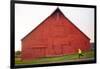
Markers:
{"x": 65, "y": 58}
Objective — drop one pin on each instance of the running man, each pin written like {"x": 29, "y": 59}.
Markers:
{"x": 80, "y": 53}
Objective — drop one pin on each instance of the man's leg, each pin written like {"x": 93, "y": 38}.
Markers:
{"x": 79, "y": 55}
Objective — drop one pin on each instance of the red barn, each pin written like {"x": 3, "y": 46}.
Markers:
{"x": 55, "y": 36}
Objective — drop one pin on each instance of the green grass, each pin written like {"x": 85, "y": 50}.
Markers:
{"x": 64, "y": 58}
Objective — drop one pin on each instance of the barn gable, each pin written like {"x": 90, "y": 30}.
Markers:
{"x": 55, "y": 16}
{"x": 55, "y": 36}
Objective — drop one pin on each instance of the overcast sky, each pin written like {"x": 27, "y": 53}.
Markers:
{"x": 27, "y": 17}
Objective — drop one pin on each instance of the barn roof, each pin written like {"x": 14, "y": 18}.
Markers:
{"x": 57, "y": 10}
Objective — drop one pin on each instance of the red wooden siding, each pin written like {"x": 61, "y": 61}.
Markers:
{"x": 55, "y": 36}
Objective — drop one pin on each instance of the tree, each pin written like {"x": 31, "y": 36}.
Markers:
{"x": 17, "y": 52}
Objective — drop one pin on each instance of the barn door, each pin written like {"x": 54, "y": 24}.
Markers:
{"x": 67, "y": 49}
{"x": 57, "y": 49}
{"x": 38, "y": 52}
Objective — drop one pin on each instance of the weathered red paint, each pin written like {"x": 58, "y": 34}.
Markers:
{"x": 55, "y": 36}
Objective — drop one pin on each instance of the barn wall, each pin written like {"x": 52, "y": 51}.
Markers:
{"x": 56, "y": 36}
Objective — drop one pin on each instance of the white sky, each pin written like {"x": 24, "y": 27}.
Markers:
{"x": 27, "y": 17}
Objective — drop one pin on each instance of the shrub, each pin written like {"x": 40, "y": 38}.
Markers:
{"x": 17, "y": 53}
